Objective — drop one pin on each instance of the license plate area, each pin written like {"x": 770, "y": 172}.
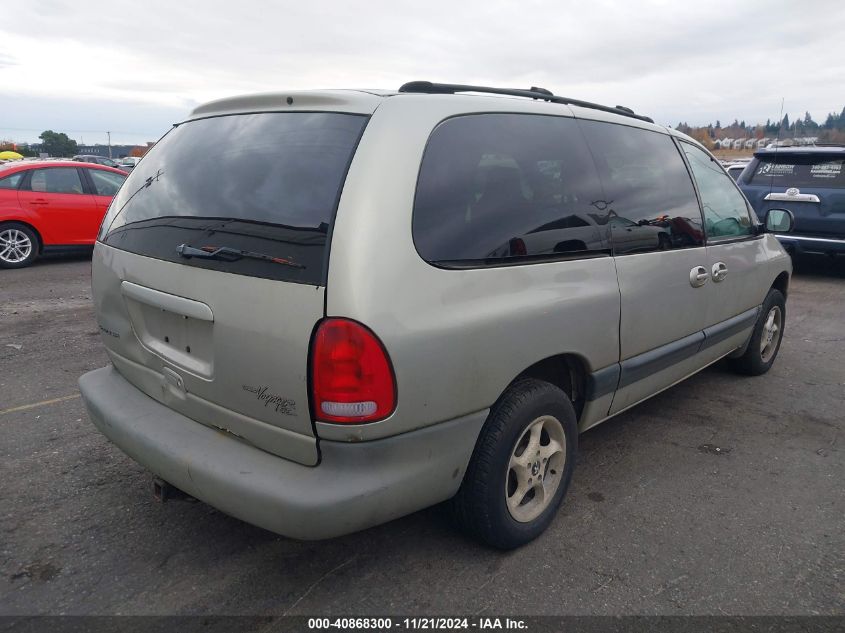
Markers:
{"x": 178, "y": 330}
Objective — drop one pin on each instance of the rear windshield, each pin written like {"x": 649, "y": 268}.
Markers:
{"x": 260, "y": 190}
{"x": 799, "y": 171}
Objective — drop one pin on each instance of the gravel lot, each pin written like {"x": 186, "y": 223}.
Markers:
{"x": 722, "y": 495}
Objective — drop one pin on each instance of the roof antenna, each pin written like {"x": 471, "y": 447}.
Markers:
{"x": 777, "y": 144}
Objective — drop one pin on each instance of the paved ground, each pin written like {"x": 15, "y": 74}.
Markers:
{"x": 658, "y": 521}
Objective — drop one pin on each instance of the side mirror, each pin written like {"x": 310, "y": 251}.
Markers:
{"x": 779, "y": 221}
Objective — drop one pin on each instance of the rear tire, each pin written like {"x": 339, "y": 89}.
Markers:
{"x": 766, "y": 337}
{"x": 521, "y": 466}
{"x": 19, "y": 245}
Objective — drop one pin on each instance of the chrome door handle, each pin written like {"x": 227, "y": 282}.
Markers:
{"x": 720, "y": 271}
{"x": 698, "y": 276}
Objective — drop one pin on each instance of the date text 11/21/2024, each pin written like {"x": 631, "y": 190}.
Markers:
{"x": 417, "y": 623}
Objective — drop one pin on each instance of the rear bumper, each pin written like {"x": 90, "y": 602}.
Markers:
{"x": 806, "y": 244}
{"x": 355, "y": 486}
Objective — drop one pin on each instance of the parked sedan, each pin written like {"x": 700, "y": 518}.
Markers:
{"x": 128, "y": 163}
{"x": 54, "y": 206}
{"x": 98, "y": 160}
{"x": 735, "y": 169}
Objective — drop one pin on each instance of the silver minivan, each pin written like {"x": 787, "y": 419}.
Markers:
{"x": 325, "y": 310}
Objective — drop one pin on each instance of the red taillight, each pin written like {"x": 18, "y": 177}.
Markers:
{"x": 351, "y": 375}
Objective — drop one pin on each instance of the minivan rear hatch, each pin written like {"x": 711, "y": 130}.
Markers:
{"x": 209, "y": 274}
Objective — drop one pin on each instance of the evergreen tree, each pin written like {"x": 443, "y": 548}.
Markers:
{"x": 809, "y": 124}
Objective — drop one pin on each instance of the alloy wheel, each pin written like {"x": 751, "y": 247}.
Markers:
{"x": 772, "y": 329}
{"x": 535, "y": 468}
{"x": 15, "y": 246}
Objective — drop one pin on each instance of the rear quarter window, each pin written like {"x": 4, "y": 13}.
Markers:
{"x": 496, "y": 189}
{"x": 11, "y": 182}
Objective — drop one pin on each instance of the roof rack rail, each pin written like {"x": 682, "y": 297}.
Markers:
{"x": 427, "y": 87}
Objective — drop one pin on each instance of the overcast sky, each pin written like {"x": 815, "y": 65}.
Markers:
{"x": 136, "y": 66}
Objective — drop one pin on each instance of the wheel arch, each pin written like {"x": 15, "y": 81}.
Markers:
{"x": 566, "y": 371}
{"x": 32, "y": 228}
{"x": 781, "y": 283}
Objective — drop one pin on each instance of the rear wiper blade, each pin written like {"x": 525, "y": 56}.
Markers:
{"x": 228, "y": 254}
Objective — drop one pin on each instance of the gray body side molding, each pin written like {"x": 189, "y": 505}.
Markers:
{"x": 616, "y": 376}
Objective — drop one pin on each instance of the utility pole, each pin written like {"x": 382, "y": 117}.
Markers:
{"x": 109, "y": 135}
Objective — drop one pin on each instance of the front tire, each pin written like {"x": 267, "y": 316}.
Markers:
{"x": 766, "y": 337}
{"x": 18, "y": 245}
{"x": 521, "y": 466}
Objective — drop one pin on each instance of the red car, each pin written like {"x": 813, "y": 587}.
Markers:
{"x": 52, "y": 206}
